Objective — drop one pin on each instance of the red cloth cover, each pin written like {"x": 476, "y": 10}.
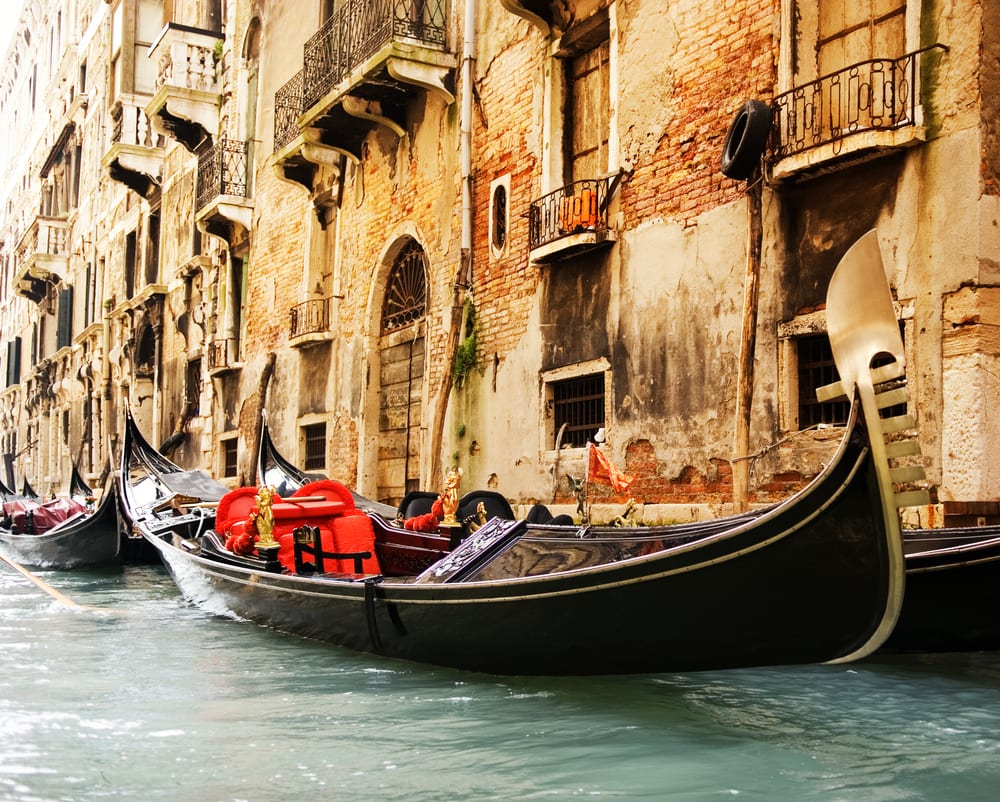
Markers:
{"x": 33, "y": 517}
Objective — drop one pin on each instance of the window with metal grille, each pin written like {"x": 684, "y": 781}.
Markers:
{"x": 577, "y": 403}
{"x": 406, "y": 290}
{"x": 315, "y": 446}
{"x": 816, "y": 369}
{"x": 229, "y": 454}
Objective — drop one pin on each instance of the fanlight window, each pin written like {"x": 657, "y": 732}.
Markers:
{"x": 406, "y": 292}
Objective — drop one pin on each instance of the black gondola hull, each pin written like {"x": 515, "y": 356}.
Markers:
{"x": 84, "y": 540}
{"x": 952, "y": 593}
{"x": 808, "y": 582}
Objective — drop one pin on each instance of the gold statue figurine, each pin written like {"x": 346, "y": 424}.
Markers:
{"x": 449, "y": 498}
{"x": 263, "y": 518}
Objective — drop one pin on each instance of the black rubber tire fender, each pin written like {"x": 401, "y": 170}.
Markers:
{"x": 746, "y": 140}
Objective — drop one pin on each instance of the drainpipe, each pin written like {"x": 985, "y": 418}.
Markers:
{"x": 464, "y": 277}
{"x": 468, "y": 58}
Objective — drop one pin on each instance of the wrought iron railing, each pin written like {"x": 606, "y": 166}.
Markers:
{"x": 874, "y": 95}
{"x": 287, "y": 110}
{"x": 309, "y": 317}
{"x": 575, "y": 208}
{"x": 222, "y": 170}
{"x": 221, "y": 353}
{"x": 358, "y": 29}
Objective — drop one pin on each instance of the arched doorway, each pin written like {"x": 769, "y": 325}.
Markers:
{"x": 401, "y": 358}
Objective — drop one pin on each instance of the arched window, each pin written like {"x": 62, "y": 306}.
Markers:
{"x": 406, "y": 291}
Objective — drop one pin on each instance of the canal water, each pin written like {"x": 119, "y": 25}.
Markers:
{"x": 149, "y": 699}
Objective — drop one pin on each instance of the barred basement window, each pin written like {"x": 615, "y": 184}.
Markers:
{"x": 315, "y": 446}
{"x": 816, "y": 369}
{"x": 579, "y": 404}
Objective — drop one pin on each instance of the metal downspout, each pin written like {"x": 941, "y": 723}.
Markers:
{"x": 468, "y": 59}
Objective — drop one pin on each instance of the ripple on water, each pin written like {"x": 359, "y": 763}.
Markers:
{"x": 164, "y": 702}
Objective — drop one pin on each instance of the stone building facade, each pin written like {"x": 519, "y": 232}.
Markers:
{"x": 418, "y": 234}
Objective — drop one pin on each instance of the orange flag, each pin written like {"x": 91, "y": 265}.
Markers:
{"x": 600, "y": 469}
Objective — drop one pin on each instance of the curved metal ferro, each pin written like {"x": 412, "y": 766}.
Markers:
{"x": 862, "y": 325}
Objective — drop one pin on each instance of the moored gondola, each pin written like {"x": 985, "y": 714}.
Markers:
{"x": 952, "y": 591}
{"x": 147, "y": 481}
{"x": 84, "y": 538}
{"x": 816, "y": 578}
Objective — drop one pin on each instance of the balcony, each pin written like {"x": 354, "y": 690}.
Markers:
{"x": 223, "y": 356}
{"x": 42, "y": 257}
{"x": 135, "y": 157}
{"x": 850, "y": 116}
{"x": 309, "y": 322}
{"x": 570, "y": 221}
{"x": 186, "y": 101}
{"x": 299, "y": 153}
{"x": 221, "y": 203}
{"x": 360, "y": 70}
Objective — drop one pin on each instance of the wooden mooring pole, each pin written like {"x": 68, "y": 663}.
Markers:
{"x": 748, "y": 343}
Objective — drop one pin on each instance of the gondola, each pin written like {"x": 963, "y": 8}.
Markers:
{"x": 78, "y": 487}
{"x": 85, "y": 538}
{"x": 952, "y": 591}
{"x": 153, "y": 480}
{"x": 817, "y": 578}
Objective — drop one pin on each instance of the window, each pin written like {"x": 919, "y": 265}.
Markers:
{"x": 64, "y": 321}
{"x": 406, "y": 291}
{"x": 499, "y": 215}
{"x": 816, "y": 369}
{"x": 14, "y": 362}
{"x": 153, "y": 248}
{"x": 134, "y": 26}
{"x": 314, "y": 436}
{"x": 589, "y": 113}
{"x": 230, "y": 453}
{"x": 852, "y": 32}
{"x": 131, "y": 265}
{"x": 577, "y": 406}
{"x": 192, "y": 387}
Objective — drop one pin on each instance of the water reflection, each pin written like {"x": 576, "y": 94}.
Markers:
{"x": 158, "y": 701}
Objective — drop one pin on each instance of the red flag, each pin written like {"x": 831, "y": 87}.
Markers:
{"x": 601, "y": 470}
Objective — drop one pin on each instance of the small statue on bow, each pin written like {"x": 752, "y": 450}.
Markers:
{"x": 449, "y": 498}
{"x": 263, "y": 517}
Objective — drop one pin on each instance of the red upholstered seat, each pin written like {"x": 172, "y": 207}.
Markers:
{"x": 343, "y": 528}
{"x": 235, "y": 506}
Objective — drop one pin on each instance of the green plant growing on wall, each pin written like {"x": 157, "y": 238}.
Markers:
{"x": 465, "y": 353}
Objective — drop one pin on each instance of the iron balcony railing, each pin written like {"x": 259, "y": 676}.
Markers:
{"x": 222, "y": 170}
{"x": 875, "y": 95}
{"x": 575, "y": 208}
{"x": 309, "y": 317}
{"x": 287, "y": 110}
{"x": 357, "y": 30}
